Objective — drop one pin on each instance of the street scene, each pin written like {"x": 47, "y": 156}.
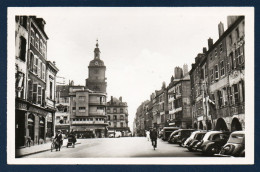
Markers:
{"x": 118, "y": 147}
{"x": 152, "y": 91}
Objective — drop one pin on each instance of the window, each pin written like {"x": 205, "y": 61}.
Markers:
{"x": 211, "y": 75}
{"x": 231, "y": 60}
{"x": 241, "y": 54}
{"x": 73, "y": 109}
{"x": 37, "y": 41}
{"x": 31, "y": 61}
{"x": 213, "y": 97}
{"x": 115, "y": 124}
{"x": 34, "y": 94}
{"x": 35, "y": 67}
{"x": 44, "y": 50}
{"x": 222, "y": 69}
{"x": 39, "y": 95}
{"x": 122, "y": 117}
{"x": 82, "y": 109}
{"x": 81, "y": 98}
{"x": 216, "y": 53}
{"x": 40, "y": 69}
{"x": 237, "y": 33}
{"x": 230, "y": 39}
{"x": 211, "y": 58}
{"x": 236, "y": 94}
{"x": 225, "y": 96}
{"x": 43, "y": 71}
{"x": 230, "y": 95}
{"x": 50, "y": 89}
{"x": 220, "y": 47}
{"x": 220, "y": 98}
{"x": 216, "y": 71}
{"x": 121, "y": 124}
{"x": 40, "y": 46}
{"x": 32, "y": 37}
{"x": 108, "y": 117}
{"x": 115, "y": 117}
{"x": 114, "y": 110}
{"x": 202, "y": 74}
{"x": 22, "y": 47}
{"x": 121, "y": 110}
{"x": 108, "y": 110}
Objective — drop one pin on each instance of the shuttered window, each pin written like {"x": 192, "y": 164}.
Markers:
{"x": 34, "y": 94}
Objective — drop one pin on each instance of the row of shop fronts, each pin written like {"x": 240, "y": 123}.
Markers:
{"x": 33, "y": 124}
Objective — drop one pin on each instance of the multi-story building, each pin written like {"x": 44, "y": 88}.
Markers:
{"x": 62, "y": 116}
{"x": 35, "y": 82}
{"x": 88, "y": 104}
{"x": 226, "y": 76}
{"x": 117, "y": 116}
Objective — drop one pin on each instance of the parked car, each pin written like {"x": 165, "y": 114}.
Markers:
{"x": 198, "y": 136}
{"x": 188, "y": 140}
{"x": 116, "y": 134}
{"x": 173, "y": 134}
{"x": 166, "y": 132}
{"x": 212, "y": 142}
{"x": 180, "y": 135}
{"x": 235, "y": 145}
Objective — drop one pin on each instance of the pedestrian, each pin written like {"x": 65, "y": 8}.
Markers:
{"x": 153, "y": 137}
{"x": 148, "y": 135}
{"x": 58, "y": 138}
{"x": 28, "y": 142}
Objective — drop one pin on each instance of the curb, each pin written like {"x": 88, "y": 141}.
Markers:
{"x": 40, "y": 151}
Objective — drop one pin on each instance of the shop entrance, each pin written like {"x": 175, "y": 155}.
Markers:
{"x": 19, "y": 128}
{"x": 236, "y": 125}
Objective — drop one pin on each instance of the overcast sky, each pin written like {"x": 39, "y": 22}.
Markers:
{"x": 139, "y": 46}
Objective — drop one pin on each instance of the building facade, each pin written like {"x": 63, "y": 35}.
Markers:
{"x": 117, "y": 116}
{"x": 88, "y": 103}
{"x": 62, "y": 117}
{"x": 35, "y": 83}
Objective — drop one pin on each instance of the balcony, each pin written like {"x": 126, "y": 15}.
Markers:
{"x": 97, "y": 113}
{"x": 97, "y": 103}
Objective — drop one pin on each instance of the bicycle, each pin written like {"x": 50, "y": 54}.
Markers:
{"x": 53, "y": 144}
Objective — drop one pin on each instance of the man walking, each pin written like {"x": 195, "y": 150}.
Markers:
{"x": 153, "y": 137}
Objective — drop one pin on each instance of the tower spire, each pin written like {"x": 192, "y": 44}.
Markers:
{"x": 96, "y": 51}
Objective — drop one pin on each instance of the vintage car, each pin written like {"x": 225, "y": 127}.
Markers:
{"x": 170, "y": 138}
{"x": 180, "y": 135}
{"x": 235, "y": 145}
{"x": 194, "y": 135}
{"x": 212, "y": 142}
{"x": 197, "y": 138}
{"x": 166, "y": 132}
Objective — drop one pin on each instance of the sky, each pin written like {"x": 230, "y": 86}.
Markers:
{"x": 139, "y": 46}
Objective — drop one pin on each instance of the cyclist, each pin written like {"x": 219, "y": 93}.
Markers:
{"x": 58, "y": 138}
{"x": 153, "y": 137}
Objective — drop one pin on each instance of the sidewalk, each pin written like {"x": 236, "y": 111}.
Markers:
{"x": 38, "y": 148}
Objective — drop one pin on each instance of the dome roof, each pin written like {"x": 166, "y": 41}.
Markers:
{"x": 96, "y": 62}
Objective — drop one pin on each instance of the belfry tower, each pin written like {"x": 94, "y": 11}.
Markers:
{"x": 96, "y": 80}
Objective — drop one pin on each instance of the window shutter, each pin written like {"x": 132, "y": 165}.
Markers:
{"x": 39, "y": 95}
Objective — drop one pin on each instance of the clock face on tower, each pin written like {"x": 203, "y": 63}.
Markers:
{"x": 96, "y": 63}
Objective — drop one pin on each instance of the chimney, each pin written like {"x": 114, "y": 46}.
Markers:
{"x": 204, "y": 50}
{"x": 54, "y": 63}
{"x": 220, "y": 29}
{"x": 120, "y": 98}
{"x": 210, "y": 43}
{"x": 111, "y": 99}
